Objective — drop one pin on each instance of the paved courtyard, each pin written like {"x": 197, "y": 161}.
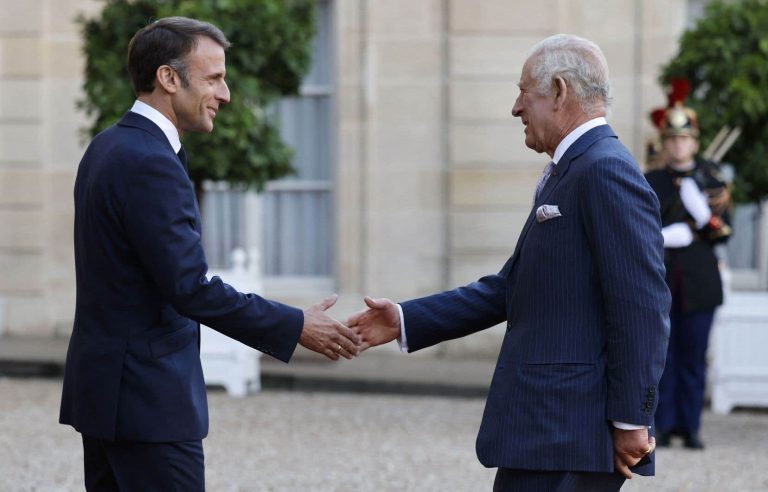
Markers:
{"x": 300, "y": 441}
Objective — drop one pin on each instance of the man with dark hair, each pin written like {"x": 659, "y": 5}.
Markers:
{"x": 133, "y": 384}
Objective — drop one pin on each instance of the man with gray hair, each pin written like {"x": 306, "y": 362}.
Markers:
{"x": 583, "y": 297}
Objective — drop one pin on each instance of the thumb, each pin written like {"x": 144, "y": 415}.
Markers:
{"x": 328, "y": 302}
{"x": 375, "y": 303}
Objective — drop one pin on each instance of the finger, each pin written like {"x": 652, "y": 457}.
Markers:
{"x": 342, "y": 343}
{"x": 331, "y": 354}
{"x": 328, "y": 302}
{"x": 346, "y": 353}
{"x": 652, "y": 445}
{"x": 622, "y": 468}
{"x": 375, "y": 303}
{"x": 354, "y": 320}
{"x": 350, "y": 335}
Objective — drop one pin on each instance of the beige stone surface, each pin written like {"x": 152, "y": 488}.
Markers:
{"x": 64, "y": 144}
{"x": 501, "y": 188}
{"x": 26, "y": 315}
{"x": 21, "y": 56}
{"x": 491, "y": 144}
{"x": 23, "y": 272}
{"x": 410, "y": 58}
{"x": 482, "y": 55}
{"x": 20, "y": 16}
{"x": 348, "y": 15}
{"x": 350, "y": 54}
{"x": 21, "y": 229}
{"x": 408, "y": 130}
{"x": 397, "y": 18}
{"x": 481, "y": 230}
{"x": 21, "y": 187}
{"x": 63, "y": 58}
{"x": 502, "y": 15}
{"x": 466, "y": 268}
{"x": 20, "y": 144}
{"x": 20, "y": 99}
{"x": 62, "y": 14}
{"x": 485, "y": 101}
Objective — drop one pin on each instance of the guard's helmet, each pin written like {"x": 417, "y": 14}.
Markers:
{"x": 676, "y": 119}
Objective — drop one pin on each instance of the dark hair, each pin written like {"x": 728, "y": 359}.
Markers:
{"x": 167, "y": 41}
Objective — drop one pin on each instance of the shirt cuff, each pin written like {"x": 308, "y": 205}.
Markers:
{"x": 628, "y": 427}
{"x": 403, "y": 340}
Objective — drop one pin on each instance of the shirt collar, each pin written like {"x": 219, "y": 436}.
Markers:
{"x": 159, "y": 119}
{"x": 575, "y": 135}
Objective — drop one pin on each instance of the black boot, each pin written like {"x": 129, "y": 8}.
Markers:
{"x": 692, "y": 441}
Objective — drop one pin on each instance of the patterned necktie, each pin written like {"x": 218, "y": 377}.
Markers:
{"x": 183, "y": 158}
{"x": 543, "y": 179}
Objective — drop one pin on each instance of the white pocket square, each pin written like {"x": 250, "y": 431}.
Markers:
{"x": 546, "y": 212}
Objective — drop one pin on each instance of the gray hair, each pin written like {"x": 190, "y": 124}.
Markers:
{"x": 579, "y": 62}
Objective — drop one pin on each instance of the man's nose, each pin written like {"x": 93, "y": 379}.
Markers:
{"x": 223, "y": 94}
{"x": 517, "y": 108}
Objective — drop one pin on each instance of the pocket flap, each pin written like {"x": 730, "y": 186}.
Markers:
{"x": 172, "y": 342}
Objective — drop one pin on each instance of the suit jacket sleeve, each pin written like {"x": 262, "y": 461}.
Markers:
{"x": 621, "y": 215}
{"x": 456, "y": 313}
{"x": 160, "y": 214}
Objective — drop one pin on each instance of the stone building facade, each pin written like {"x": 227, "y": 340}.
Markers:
{"x": 431, "y": 179}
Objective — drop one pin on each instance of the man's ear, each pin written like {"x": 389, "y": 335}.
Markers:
{"x": 167, "y": 79}
{"x": 561, "y": 92}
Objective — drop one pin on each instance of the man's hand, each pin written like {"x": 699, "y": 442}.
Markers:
{"x": 378, "y": 324}
{"x": 629, "y": 447}
{"x": 325, "y": 335}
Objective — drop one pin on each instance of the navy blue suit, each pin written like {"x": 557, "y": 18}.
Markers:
{"x": 133, "y": 366}
{"x": 587, "y": 313}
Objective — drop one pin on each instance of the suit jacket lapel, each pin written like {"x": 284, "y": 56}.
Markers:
{"x": 136, "y": 120}
{"x": 575, "y": 150}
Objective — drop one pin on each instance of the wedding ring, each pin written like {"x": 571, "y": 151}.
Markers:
{"x": 338, "y": 349}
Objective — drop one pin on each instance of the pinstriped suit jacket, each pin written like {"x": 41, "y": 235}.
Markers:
{"x": 587, "y": 309}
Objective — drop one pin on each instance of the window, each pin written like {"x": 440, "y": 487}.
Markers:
{"x": 294, "y": 216}
{"x": 298, "y": 210}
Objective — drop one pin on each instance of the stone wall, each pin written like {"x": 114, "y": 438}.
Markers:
{"x": 433, "y": 180}
{"x": 40, "y": 76}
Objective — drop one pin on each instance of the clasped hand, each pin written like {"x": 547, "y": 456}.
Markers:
{"x": 378, "y": 324}
{"x": 325, "y": 335}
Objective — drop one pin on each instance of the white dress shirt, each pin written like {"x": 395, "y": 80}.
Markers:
{"x": 159, "y": 119}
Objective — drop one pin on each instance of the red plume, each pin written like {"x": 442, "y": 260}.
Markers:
{"x": 657, "y": 117}
{"x": 678, "y": 91}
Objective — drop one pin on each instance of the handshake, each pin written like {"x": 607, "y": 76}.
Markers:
{"x": 378, "y": 324}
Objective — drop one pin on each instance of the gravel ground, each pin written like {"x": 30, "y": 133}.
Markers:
{"x": 281, "y": 441}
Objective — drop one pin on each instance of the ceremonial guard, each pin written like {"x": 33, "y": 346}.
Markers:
{"x": 694, "y": 201}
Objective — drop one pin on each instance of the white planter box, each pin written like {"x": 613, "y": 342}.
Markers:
{"x": 739, "y": 351}
{"x": 227, "y": 362}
